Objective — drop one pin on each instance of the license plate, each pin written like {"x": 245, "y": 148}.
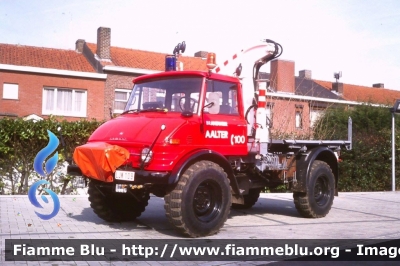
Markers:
{"x": 121, "y": 188}
{"x": 125, "y": 175}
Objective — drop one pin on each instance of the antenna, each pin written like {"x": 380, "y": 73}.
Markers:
{"x": 337, "y": 75}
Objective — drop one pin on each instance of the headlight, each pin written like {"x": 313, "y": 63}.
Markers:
{"x": 146, "y": 155}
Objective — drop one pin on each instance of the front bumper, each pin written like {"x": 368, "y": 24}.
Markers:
{"x": 141, "y": 176}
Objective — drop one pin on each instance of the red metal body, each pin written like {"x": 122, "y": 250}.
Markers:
{"x": 197, "y": 140}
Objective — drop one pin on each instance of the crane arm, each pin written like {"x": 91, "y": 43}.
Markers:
{"x": 246, "y": 65}
{"x": 248, "y": 59}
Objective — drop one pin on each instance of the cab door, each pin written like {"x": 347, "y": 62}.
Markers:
{"x": 225, "y": 129}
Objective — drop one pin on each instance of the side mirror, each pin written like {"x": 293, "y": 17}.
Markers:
{"x": 213, "y": 98}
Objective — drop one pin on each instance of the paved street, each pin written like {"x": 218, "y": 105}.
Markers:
{"x": 374, "y": 215}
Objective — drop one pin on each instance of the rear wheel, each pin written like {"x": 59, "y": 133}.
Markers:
{"x": 116, "y": 207}
{"x": 318, "y": 199}
{"x": 200, "y": 203}
{"x": 249, "y": 199}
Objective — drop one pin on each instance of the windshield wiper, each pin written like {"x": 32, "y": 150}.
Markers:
{"x": 160, "y": 110}
{"x": 130, "y": 111}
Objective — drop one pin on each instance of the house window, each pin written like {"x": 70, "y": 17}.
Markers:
{"x": 317, "y": 110}
{"x": 315, "y": 114}
{"x": 269, "y": 113}
{"x": 120, "y": 100}
{"x": 10, "y": 91}
{"x": 64, "y": 102}
{"x": 299, "y": 116}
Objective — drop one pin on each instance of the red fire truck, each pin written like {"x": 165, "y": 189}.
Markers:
{"x": 202, "y": 141}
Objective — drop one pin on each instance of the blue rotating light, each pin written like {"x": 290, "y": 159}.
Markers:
{"x": 170, "y": 60}
{"x": 170, "y": 63}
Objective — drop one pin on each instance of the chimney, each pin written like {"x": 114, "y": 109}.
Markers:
{"x": 202, "y": 54}
{"x": 378, "y": 85}
{"x": 305, "y": 74}
{"x": 103, "y": 43}
{"x": 282, "y": 75}
{"x": 337, "y": 87}
{"x": 79, "y": 45}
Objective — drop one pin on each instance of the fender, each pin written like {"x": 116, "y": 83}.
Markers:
{"x": 304, "y": 162}
{"x": 204, "y": 154}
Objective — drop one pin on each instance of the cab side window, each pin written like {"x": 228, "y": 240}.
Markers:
{"x": 227, "y": 96}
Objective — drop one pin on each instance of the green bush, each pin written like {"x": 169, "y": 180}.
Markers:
{"x": 20, "y": 141}
{"x": 368, "y": 166}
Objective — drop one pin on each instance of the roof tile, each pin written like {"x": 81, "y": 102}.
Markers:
{"x": 133, "y": 58}
{"x": 365, "y": 94}
{"x": 21, "y": 55}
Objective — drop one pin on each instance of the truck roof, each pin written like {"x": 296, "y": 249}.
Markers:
{"x": 186, "y": 73}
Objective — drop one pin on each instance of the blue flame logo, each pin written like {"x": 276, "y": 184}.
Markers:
{"x": 34, "y": 201}
{"x": 49, "y": 167}
{"x": 46, "y": 151}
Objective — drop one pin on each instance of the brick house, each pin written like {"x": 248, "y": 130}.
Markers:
{"x": 45, "y": 81}
{"x": 296, "y": 102}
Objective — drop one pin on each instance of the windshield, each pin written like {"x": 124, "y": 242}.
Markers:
{"x": 169, "y": 94}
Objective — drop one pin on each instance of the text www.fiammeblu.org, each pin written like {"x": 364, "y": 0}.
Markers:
{"x": 229, "y": 250}
{"x": 235, "y": 250}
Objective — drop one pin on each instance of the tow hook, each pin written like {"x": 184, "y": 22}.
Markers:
{"x": 123, "y": 188}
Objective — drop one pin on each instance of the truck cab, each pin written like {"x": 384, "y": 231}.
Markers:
{"x": 173, "y": 114}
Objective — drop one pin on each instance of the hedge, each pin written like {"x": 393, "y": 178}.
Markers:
{"x": 368, "y": 166}
{"x": 20, "y": 141}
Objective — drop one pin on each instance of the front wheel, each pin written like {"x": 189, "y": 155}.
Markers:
{"x": 116, "y": 207}
{"x": 318, "y": 199}
{"x": 200, "y": 203}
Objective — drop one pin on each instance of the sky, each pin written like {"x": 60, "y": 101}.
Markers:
{"x": 360, "y": 38}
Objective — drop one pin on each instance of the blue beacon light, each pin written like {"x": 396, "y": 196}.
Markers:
{"x": 170, "y": 63}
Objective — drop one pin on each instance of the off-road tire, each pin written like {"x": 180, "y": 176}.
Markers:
{"x": 113, "y": 207}
{"x": 201, "y": 200}
{"x": 317, "y": 202}
{"x": 249, "y": 199}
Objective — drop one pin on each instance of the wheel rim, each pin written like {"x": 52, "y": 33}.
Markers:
{"x": 322, "y": 191}
{"x": 207, "y": 201}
